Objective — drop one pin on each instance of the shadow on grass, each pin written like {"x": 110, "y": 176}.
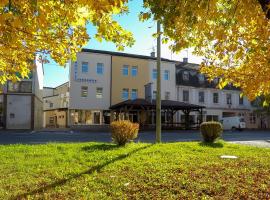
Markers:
{"x": 212, "y": 145}
{"x": 100, "y": 147}
{"x": 91, "y": 170}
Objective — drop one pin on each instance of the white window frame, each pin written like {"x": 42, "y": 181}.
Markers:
{"x": 99, "y": 95}
{"x": 87, "y": 69}
{"x": 84, "y": 90}
{"x": 102, "y": 68}
{"x": 166, "y": 75}
{"x": 134, "y": 91}
{"x": 125, "y": 91}
{"x": 187, "y": 92}
{"x": 167, "y": 95}
{"x": 185, "y": 75}
{"x": 203, "y": 96}
{"x": 214, "y": 98}
{"x": 154, "y": 74}
{"x": 132, "y": 70}
{"x": 125, "y": 68}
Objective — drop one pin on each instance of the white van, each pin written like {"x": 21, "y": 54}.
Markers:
{"x": 232, "y": 123}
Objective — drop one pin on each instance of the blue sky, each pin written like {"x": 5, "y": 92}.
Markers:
{"x": 55, "y": 75}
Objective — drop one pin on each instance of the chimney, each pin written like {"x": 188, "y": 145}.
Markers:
{"x": 185, "y": 60}
{"x": 153, "y": 54}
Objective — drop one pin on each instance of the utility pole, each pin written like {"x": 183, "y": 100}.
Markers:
{"x": 158, "y": 97}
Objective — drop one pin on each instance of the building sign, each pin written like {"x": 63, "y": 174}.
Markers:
{"x": 82, "y": 80}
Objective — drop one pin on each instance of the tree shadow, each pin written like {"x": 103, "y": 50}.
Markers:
{"x": 100, "y": 147}
{"x": 91, "y": 170}
{"x": 212, "y": 145}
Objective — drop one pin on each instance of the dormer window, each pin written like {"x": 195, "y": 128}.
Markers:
{"x": 215, "y": 81}
{"x": 185, "y": 76}
{"x": 201, "y": 78}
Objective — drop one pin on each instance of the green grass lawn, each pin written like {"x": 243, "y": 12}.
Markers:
{"x": 187, "y": 170}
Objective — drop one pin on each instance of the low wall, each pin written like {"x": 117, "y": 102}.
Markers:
{"x": 104, "y": 127}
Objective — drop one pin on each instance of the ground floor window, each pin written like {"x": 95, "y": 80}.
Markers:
{"x": 212, "y": 118}
{"x": 51, "y": 120}
{"x": 252, "y": 118}
{"x": 85, "y": 117}
{"x": 191, "y": 119}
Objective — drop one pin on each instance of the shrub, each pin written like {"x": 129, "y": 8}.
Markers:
{"x": 211, "y": 131}
{"x": 124, "y": 131}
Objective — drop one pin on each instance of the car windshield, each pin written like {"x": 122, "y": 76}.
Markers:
{"x": 242, "y": 120}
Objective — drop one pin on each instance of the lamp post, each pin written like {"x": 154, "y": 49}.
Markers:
{"x": 158, "y": 96}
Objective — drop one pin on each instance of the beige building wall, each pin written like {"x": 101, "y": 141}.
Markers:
{"x": 59, "y": 99}
{"x": 55, "y": 118}
{"x": 119, "y": 81}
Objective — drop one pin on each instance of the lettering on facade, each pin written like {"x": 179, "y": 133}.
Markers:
{"x": 84, "y": 80}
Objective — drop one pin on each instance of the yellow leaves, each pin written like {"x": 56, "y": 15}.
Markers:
{"x": 144, "y": 16}
{"x": 54, "y": 27}
{"x": 232, "y": 36}
{"x": 222, "y": 84}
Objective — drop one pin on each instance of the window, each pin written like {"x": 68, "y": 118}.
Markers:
{"x": 84, "y": 67}
{"x": 185, "y": 76}
{"x": 134, "y": 71}
{"x": 241, "y": 100}
{"x": 229, "y": 99}
{"x": 185, "y": 95}
{"x": 201, "y": 78}
{"x": 125, "y": 70}
{"x": 166, "y": 75}
{"x": 100, "y": 68}
{"x": 154, "y": 74}
{"x": 167, "y": 95}
{"x": 215, "y": 97}
{"x": 154, "y": 94}
{"x": 212, "y": 118}
{"x": 252, "y": 118}
{"x": 51, "y": 105}
{"x": 215, "y": 81}
{"x": 201, "y": 97}
{"x": 99, "y": 93}
{"x": 241, "y": 114}
{"x": 84, "y": 91}
{"x": 134, "y": 94}
{"x": 51, "y": 120}
{"x": 20, "y": 87}
{"x": 125, "y": 94}
{"x": 96, "y": 117}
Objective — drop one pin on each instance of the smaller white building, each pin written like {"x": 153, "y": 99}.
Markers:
{"x": 21, "y": 102}
{"x": 168, "y": 84}
{"x": 193, "y": 87}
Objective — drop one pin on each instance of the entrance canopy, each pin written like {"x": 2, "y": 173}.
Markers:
{"x": 145, "y": 111}
{"x": 147, "y": 105}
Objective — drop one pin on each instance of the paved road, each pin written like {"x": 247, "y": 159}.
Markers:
{"x": 258, "y": 138}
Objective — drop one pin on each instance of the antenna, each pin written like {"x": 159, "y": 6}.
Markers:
{"x": 153, "y": 49}
{"x": 187, "y": 52}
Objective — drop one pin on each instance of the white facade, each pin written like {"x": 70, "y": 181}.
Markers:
{"x": 167, "y": 86}
{"x": 216, "y": 111}
{"x": 22, "y": 103}
{"x": 90, "y": 87}
{"x": 91, "y": 80}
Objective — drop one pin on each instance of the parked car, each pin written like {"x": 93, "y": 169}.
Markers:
{"x": 233, "y": 123}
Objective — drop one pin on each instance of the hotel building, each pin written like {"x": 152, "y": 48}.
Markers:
{"x": 99, "y": 80}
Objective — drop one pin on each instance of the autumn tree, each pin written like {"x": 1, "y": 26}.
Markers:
{"x": 54, "y": 27}
{"x": 233, "y": 37}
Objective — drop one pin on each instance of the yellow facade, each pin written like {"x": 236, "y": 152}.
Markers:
{"x": 119, "y": 81}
